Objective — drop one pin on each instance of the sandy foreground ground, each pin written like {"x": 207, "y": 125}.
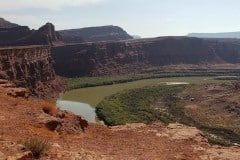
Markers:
{"x": 19, "y": 120}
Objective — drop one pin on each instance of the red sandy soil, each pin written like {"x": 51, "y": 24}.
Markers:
{"x": 131, "y": 142}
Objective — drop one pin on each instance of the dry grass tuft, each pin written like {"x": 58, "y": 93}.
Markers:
{"x": 49, "y": 108}
{"x": 37, "y": 146}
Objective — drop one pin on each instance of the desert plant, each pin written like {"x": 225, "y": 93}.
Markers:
{"x": 134, "y": 106}
{"x": 37, "y": 146}
{"x": 49, "y": 108}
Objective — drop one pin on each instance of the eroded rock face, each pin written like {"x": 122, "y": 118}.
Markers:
{"x": 51, "y": 122}
{"x": 22, "y": 35}
{"x": 29, "y": 67}
{"x": 70, "y": 123}
{"x": 11, "y": 36}
{"x": 139, "y": 56}
{"x": 6, "y": 24}
{"x": 83, "y": 123}
{"x": 94, "y": 34}
{"x": 44, "y": 35}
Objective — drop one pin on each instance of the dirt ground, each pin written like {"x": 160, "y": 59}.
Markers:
{"x": 128, "y": 142}
{"x": 214, "y": 105}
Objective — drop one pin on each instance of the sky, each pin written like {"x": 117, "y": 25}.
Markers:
{"x": 146, "y": 18}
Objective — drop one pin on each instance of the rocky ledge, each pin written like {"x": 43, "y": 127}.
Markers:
{"x": 163, "y": 54}
{"x": 30, "y": 67}
{"x": 70, "y": 137}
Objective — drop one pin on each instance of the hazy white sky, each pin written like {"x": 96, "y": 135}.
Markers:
{"x": 147, "y": 18}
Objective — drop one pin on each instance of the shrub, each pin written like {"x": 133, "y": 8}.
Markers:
{"x": 37, "y": 146}
{"x": 49, "y": 108}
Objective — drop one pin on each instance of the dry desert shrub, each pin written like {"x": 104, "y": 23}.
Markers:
{"x": 37, "y": 146}
{"x": 49, "y": 108}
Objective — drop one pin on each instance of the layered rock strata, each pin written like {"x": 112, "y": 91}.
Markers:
{"x": 94, "y": 34}
{"x": 22, "y": 35}
{"x": 6, "y": 24}
{"x": 30, "y": 67}
{"x": 144, "y": 55}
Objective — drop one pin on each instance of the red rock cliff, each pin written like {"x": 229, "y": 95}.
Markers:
{"x": 29, "y": 67}
{"x": 140, "y": 56}
{"x": 22, "y": 35}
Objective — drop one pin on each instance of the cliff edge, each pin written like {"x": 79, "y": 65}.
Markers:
{"x": 6, "y": 24}
{"x": 132, "y": 141}
{"x": 95, "y": 34}
{"x": 23, "y": 36}
{"x": 144, "y": 55}
{"x": 30, "y": 67}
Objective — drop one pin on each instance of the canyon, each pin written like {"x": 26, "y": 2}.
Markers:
{"x": 31, "y": 60}
{"x": 6, "y": 24}
{"x": 94, "y": 34}
{"x": 23, "y": 36}
{"x": 30, "y": 67}
{"x": 152, "y": 55}
{"x": 12, "y": 34}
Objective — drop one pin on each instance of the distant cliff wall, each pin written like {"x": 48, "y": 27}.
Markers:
{"x": 94, "y": 34}
{"x": 23, "y": 36}
{"x": 6, "y": 24}
{"x": 140, "y": 56}
{"x": 30, "y": 67}
{"x": 10, "y": 36}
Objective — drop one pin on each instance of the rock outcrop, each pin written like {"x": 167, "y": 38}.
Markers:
{"x": 45, "y": 35}
{"x": 23, "y": 36}
{"x": 6, "y": 24}
{"x": 10, "y": 36}
{"x": 143, "y": 55}
{"x": 94, "y": 34}
{"x": 10, "y": 89}
{"x": 30, "y": 67}
{"x": 69, "y": 123}
{"x": 25, "y": 118}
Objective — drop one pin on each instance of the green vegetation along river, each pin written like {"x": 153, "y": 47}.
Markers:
{"x": 168, "y": 104}
{"x": 135, "y": 102}
{"x": 94, "y": 95}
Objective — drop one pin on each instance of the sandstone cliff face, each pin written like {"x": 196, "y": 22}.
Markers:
{"x": 138, "y": 56}
{"x": 30, "y": 67}
{"x": 45, "y": 35}
{"x": 94, "y": 34}
{"x": 6, "y": 24}
{"x": 22, "y": 35}
{"x": 10, "y": 36}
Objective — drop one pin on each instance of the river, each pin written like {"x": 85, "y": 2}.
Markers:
{"x": 82, "y": 101}
{"x": 82, "y": 109}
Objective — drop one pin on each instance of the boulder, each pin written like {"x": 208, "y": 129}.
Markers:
{"x": 18, "y": 92}
{"x": 52, "y": 123}
{"x": 83, "y": 123}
